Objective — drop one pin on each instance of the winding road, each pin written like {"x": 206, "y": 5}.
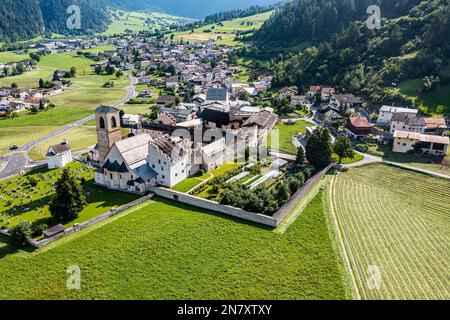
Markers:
{"x": 19, "y": 160}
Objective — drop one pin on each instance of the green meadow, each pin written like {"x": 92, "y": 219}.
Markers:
{"x": 76, "y": 102}
{"x": 434, "y": 103}
{"x": 225, "y": 32}
{"x": 133, "y": 22}
{"x": 166, "y": 250}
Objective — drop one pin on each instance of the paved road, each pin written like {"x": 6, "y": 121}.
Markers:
{"x": 18, "y": 161}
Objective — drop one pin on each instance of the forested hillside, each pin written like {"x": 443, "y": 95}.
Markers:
{"x": 308, "y": 20}
{"x": 29, "y": 18}
{"x": 412, "y": 44}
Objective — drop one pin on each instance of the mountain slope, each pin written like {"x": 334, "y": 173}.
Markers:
{"x": 309, "y": 20}
{"x": 29, "y": 18}
{"x": 410, "y": 45}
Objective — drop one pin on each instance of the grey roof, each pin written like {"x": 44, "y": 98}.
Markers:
{"x": 50, "y": 232}
{"x": 58, "y": 149}
{"x": 217, "y": 94}
{"x": 106, "y": 109}
{"x": 404, "y": 117}
{"x": 264, "y": 120}
{"x": 134, "y": 149}
{"x": 145, "y": 172}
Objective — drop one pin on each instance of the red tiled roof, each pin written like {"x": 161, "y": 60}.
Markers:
{"x": 360, "y": 122}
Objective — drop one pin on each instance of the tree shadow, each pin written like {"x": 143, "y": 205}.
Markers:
{"x": 175, "y": 203}
{"x": 7, "y": 248}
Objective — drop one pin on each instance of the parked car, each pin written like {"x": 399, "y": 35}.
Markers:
{"x": 14, "y": 147}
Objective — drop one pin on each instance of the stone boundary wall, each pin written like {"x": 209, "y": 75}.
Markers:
{"x": 215, "y": 206}
{"x": 81, "y": 226}
{"x": 284, "y": 211}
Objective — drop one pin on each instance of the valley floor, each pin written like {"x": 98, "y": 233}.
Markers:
{"x": 165, "y": 250}
{"x": 394, "y": 227}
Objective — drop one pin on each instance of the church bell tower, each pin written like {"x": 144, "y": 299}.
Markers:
{"x": 108, "y": 129}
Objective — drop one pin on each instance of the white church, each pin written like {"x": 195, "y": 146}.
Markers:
{"x": 136, "y": 163}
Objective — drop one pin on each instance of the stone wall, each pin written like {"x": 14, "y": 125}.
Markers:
{"x": 214, "y": 206}
{"x": 284, "y": 211}
{"x": 81, "y": 226}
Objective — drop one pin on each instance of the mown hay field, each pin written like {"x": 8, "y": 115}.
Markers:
{"x": 396, "y": 222}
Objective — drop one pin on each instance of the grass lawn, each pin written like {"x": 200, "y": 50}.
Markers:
{"x": 225, "y": 168}
{"x": 167, "y": 250}
{"x": 285, "y": 133}
{"x": 70, "y": 106}
{"x": 187, "y": 184}
{"x": 396, "y": 220}
{"x": 10, "y": 56}
{"x": 21, "y": 135}
{"x": 136, "y": 108}
{"x": 434, "y": 103}
{"x": 35, "y": 208}
{"x": 358, "y": 157}
{"x": 423, "y": 162}
{"x": 100, "y": 49}
{"x": 79, "y": 138}
{"x": 133, "y": 22}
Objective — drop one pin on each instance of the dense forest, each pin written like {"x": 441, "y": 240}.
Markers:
{"x": 315, "y": 20}
{"x": 412, "y": 43}
{"x": 29, "y": 18}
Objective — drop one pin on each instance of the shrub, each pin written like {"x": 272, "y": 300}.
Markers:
{"x": 21, "y": 233}
{"x": 37, "y": 230}
{"x": 32, "y": 181}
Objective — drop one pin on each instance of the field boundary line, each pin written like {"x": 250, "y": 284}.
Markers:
{"x": 341, "y": 241}
{"x": 299, "y": 208}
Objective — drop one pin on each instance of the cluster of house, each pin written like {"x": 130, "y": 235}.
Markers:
{"x": 412, "y": 131}
{"x": 409, "y": 130}
{"x": 13, "y": 100}
{"x": 7, "y": 67}
{"x": 167, "y": 151}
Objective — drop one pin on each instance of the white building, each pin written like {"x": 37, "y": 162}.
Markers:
{"x": 404, "y": 141}
{"x": 59, "y": 155}
{"x": 387, "y": 112}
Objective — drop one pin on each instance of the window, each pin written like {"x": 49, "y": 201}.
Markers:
{"x": 102, "y": 123}
{"x": 153, "y": 166}
{"x": 110, "y": 176}
{"x": 163, "y": 177}
{"x": 113, "y": 122}
{"x": 176, "y": 174}
{"x": 159, "y": 161}
{"x": 404, "y": 144}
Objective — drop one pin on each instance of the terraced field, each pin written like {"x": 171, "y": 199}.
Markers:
{"x": 398, "y": 221}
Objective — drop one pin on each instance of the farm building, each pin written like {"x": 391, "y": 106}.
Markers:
{"x": 404, "y": 141}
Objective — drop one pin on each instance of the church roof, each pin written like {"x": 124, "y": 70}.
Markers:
{"x": 145, "y": 172}
{"x": 134, "y": 149}
{"x": 106, "y": 109}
